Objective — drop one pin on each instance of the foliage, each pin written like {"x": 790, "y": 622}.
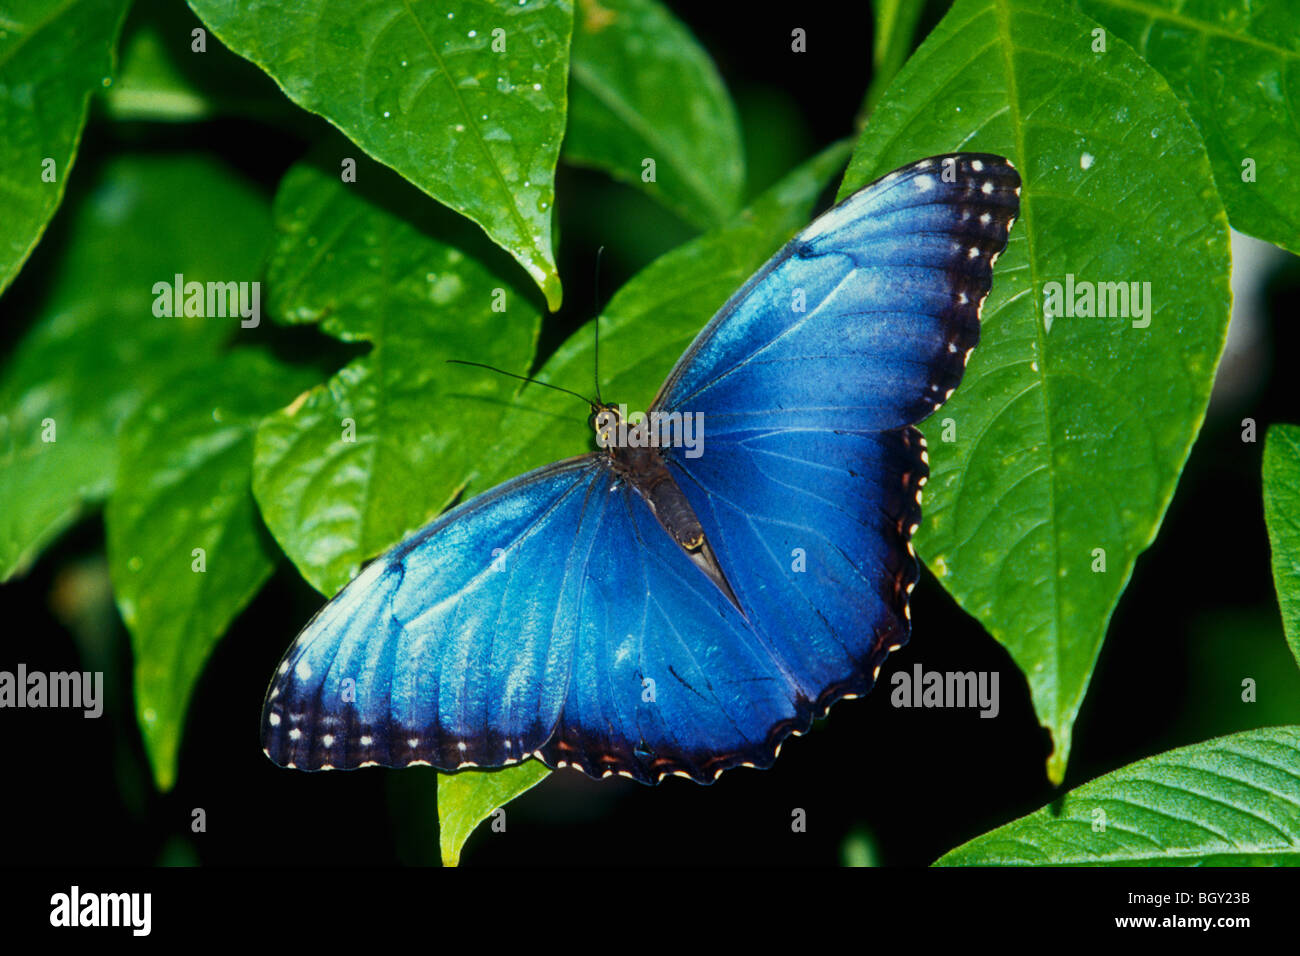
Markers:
{"x": 429, "y": 230}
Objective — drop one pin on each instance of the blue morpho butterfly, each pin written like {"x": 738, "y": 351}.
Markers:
{"x": 667, "y": 614}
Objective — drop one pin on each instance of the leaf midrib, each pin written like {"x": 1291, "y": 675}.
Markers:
{"x": 1060, "y": 734}
{"x": 472, "y": 124}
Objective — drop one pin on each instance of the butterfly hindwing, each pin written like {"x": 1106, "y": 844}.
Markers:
{"x": 815, "y": 541}
{"x": 673, "y": 678}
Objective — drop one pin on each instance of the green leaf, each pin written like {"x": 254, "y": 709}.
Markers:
{"x": 645, "y": 329}
{"x": 162, "y": 79}
{"x": 644, "y": 89}
{"x": 52, "y": 57}
{"x": 420, "y": 88}
{"x": 1235, "y": 64}
{"x": 466, "y": 800}
{"x": 1068, "y": 436}
{"x": 1230, "y": 801}
{"x": 183, "y": 484}
{"x": 895, "y": 24}
{"x": 352, "y": 466}
{"x": 1282, "y": 515}
{"x": 96, "y": 347}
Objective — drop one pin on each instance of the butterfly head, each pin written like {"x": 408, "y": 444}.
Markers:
{"x": 604, "y": 421}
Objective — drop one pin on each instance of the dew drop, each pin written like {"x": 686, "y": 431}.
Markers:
{"x": 386, "y": 104}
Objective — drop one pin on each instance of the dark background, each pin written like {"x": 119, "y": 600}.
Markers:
{"x": 878, "y": 784}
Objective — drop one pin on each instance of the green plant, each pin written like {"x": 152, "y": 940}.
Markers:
{"x": 1070, "y": 433}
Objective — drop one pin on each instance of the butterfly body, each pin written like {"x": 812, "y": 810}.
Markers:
{"x": 641, "y": 462}
{"x": 652, "y": 609}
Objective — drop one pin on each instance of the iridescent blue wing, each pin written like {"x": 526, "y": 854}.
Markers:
{"x": 808, "y": 381}
{"x": 552, "y": 617}
{"x": 451, "y": 648}
{"x": 868, "y": 316}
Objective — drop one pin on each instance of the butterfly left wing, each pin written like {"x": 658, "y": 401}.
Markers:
{"x": 551, "y": 617}
{"x": 443, "y": 651}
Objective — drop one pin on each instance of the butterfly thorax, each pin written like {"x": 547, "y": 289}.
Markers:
{"x": 640, "y": 461}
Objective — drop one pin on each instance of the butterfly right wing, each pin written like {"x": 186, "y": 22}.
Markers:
{"x": 449, "y": 649}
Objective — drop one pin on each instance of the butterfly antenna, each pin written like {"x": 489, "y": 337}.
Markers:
{"x": 522, "y": 378}
{"x": 596, "y": 296}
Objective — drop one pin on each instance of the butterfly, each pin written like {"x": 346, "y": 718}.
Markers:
{"x": 649, "y": 609}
